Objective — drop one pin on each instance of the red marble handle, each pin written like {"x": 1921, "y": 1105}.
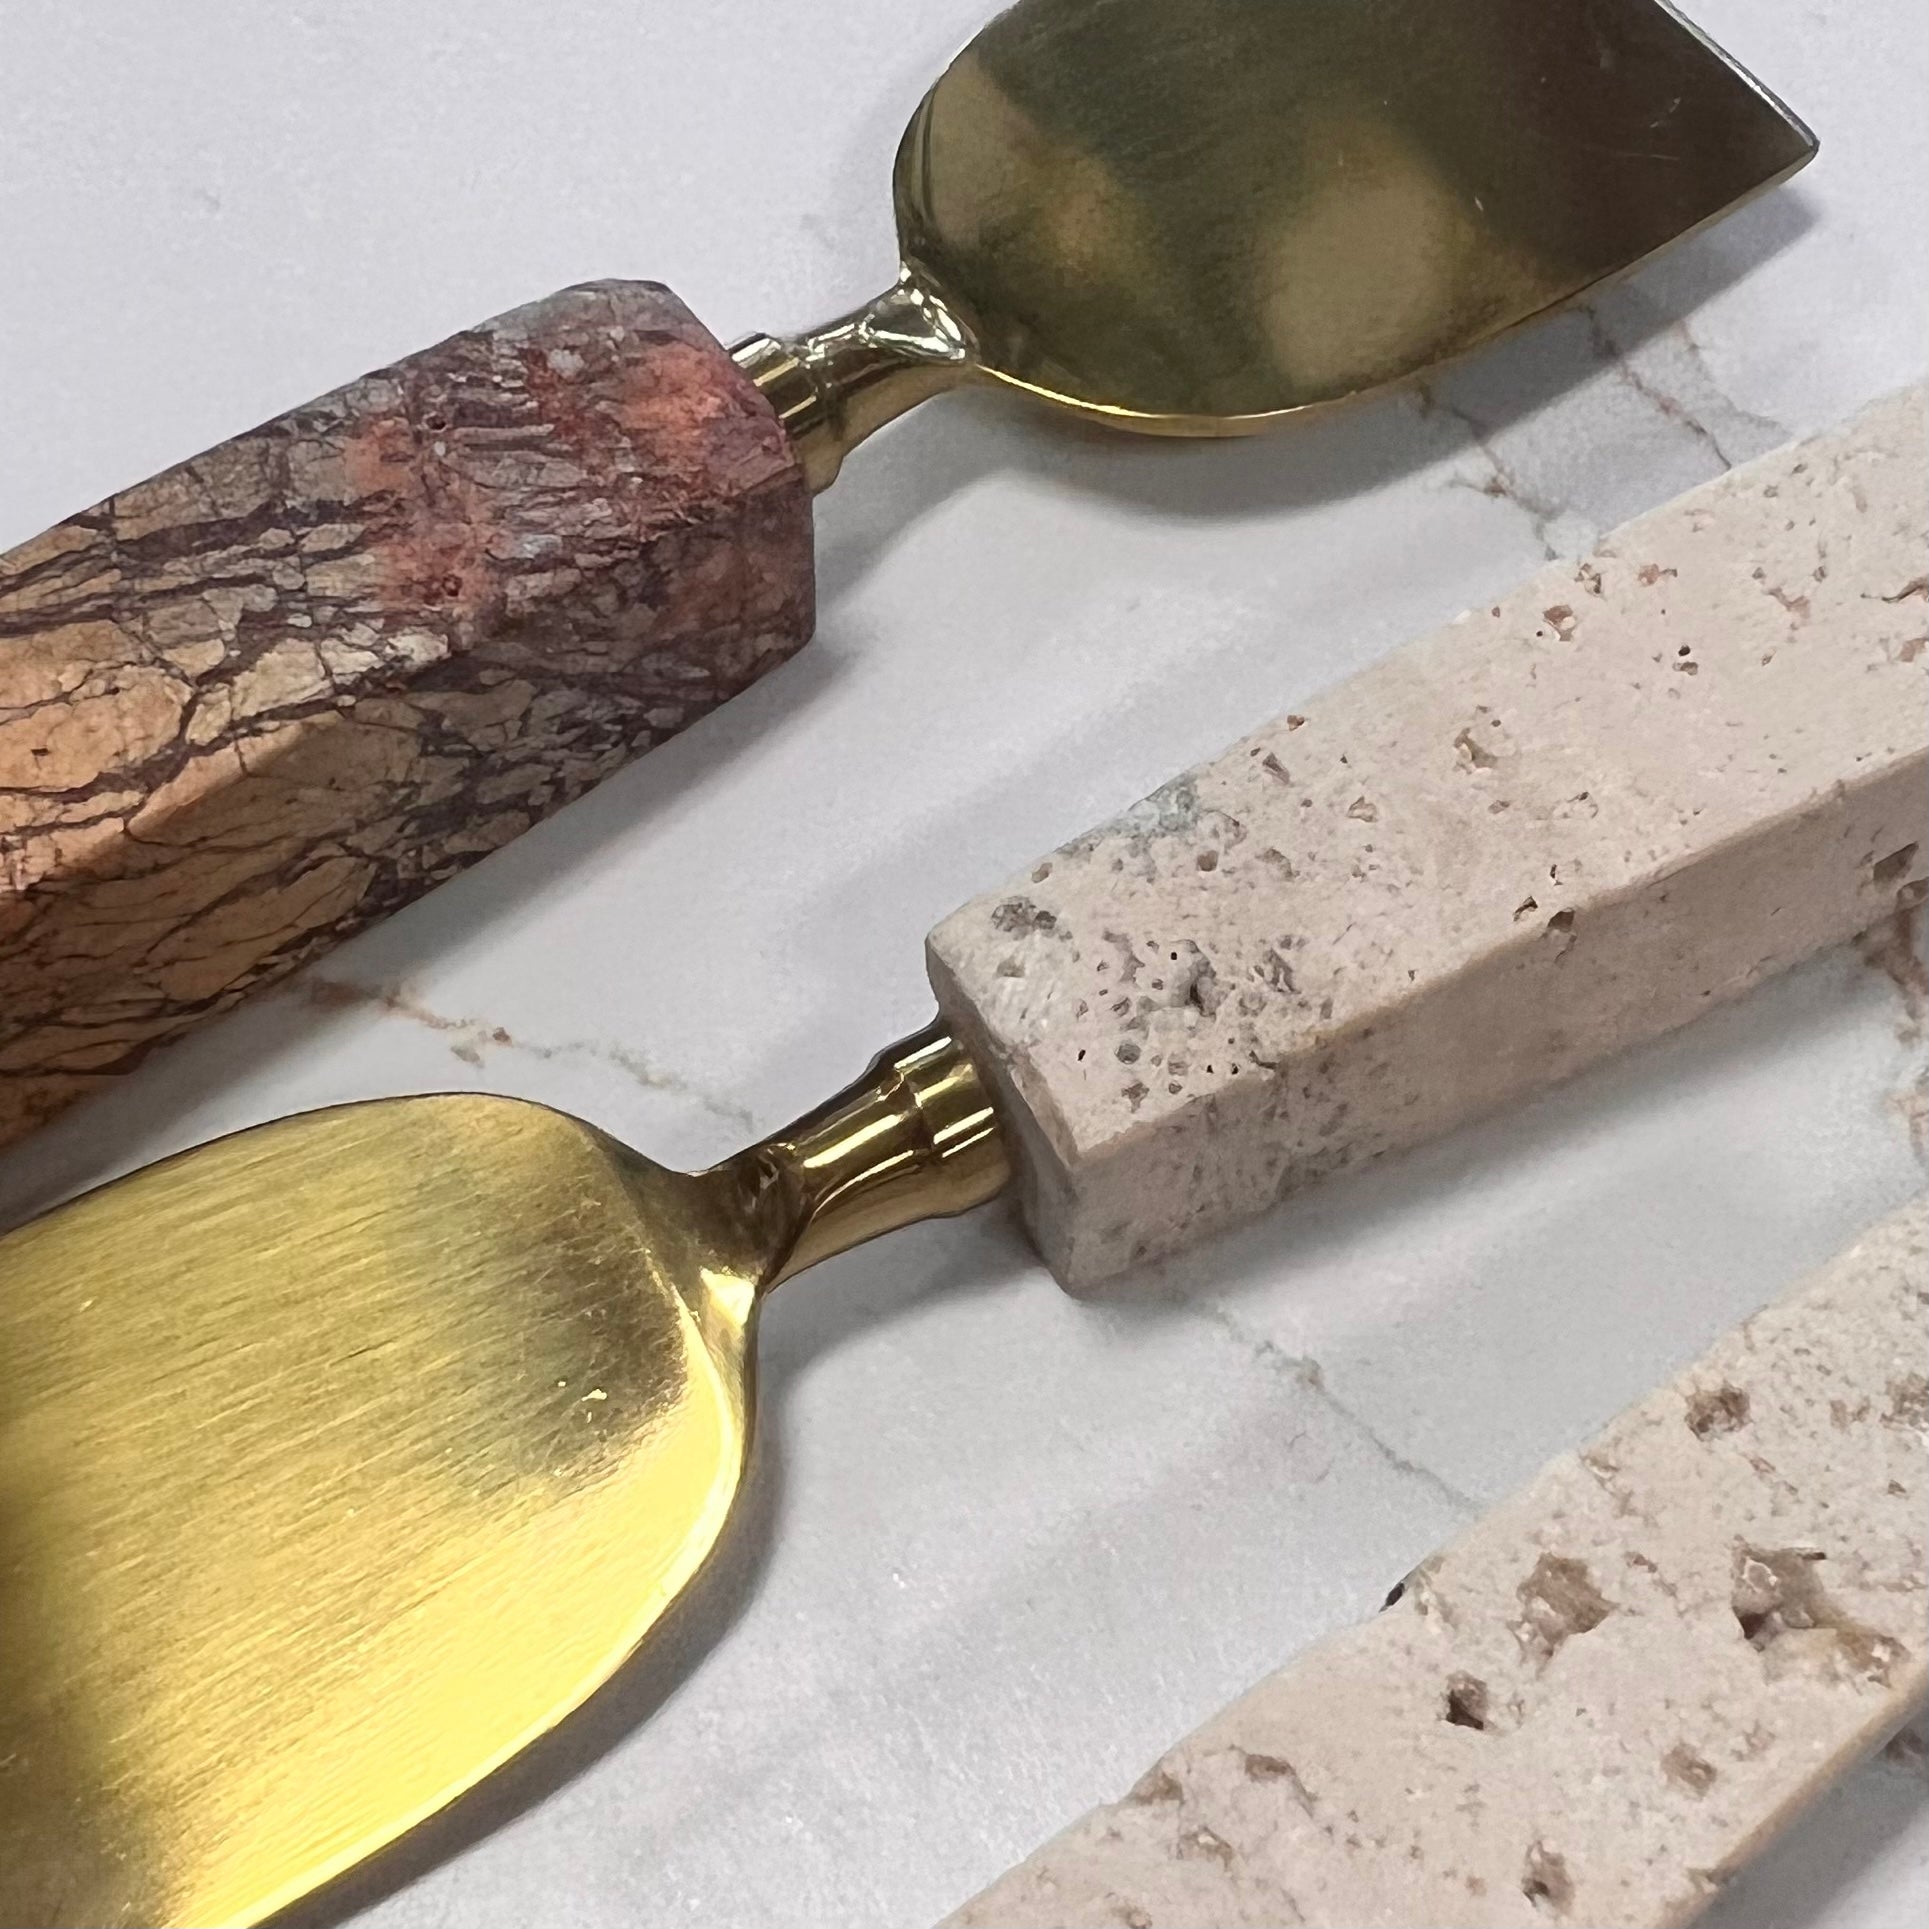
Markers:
{"x": 251, "y": 705}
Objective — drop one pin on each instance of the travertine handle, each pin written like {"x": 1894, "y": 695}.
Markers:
{"x": 1604, "y": 1697}
{"x": 252, "y": 705}
{"x": 1566, "y": 823}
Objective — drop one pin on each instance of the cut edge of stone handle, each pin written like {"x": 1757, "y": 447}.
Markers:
{"x": 1564, "y": 824}
{"x": 1602, "y": 1699}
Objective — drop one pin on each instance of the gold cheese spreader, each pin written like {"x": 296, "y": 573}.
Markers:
{"x": 341, "y": 1458}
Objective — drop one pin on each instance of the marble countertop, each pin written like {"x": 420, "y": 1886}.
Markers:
{"x": 1001, "y": 1546}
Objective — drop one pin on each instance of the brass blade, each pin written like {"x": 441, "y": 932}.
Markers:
{"x": 341, "y": 1458}
{"x": 337, "y": 1460}
{"x": 1191, "y": 216}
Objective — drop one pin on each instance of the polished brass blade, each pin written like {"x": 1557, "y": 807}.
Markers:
{"x": 1197, "y": 215}
{"x": 1194, "y": 217}
{"x": 341, "y": 1458}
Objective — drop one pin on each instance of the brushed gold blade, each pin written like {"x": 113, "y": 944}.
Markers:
{"x": 337, "y": 1460}
{"x": 340, "y": 1458}
{"x": 1193, "y": 216}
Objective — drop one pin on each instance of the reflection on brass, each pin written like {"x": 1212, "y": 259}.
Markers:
{"x": 1195, "y": 216}
{"x": 340, "y": 1458}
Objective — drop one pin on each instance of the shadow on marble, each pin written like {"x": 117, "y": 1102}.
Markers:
{"x": 1838, "y": 1863}
{"x": 978, "y": 1252}
{"x": 508, "y": 886}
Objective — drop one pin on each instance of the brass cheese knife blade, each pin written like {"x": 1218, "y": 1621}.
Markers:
{"x": 343, "y": 1457}
{"x": 1195, "y": 217}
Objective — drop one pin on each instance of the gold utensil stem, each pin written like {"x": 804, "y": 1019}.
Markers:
{"x": 833, "y": 386}
{"x": 915, "y": 1138}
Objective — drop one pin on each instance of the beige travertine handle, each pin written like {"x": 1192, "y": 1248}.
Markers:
{"x": 1602, "y": 1698}
{"x": 1564, "y": 824}
{"x": 252, "y": 705}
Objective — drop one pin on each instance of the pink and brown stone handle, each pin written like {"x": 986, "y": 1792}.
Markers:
{"x": 258, "y": 702}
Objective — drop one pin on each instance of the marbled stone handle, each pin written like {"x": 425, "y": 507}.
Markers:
{"x": 256, "y": 703}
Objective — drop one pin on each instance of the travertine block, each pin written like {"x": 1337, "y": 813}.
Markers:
{"x": 1566, "y": 823}
{"x": 254, "y": 704}
{"x": 1600, "y": 1700}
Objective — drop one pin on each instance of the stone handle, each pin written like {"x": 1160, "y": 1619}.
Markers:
{"x": 1604, "y": 1697}
{"x": 250, "y": 706}
{"x": 1567, "y": 823}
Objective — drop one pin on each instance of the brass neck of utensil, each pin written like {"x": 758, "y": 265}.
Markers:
{"x": 915, "y": 1138}
{"x": 833, "y": 386}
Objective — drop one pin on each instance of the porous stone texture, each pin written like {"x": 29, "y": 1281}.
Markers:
{"x": 254, "y": 704}
{"x": 1600, "y": 1700}
{"x": 1567, "y": 822}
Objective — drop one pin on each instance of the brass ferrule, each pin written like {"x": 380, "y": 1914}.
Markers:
{"x": 915, "y": 1138}
{"x": 835, "y": 385}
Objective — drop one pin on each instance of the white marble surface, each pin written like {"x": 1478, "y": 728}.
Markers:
{"x": 1002, "y": 1546}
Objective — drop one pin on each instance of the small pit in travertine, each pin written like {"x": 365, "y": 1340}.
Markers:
{"x": 1545, "y": 1881}
{"x": 1558, "y": 1601}
{"x": 1466, "y": 1701}
{"x": 1717, "y": 1409}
